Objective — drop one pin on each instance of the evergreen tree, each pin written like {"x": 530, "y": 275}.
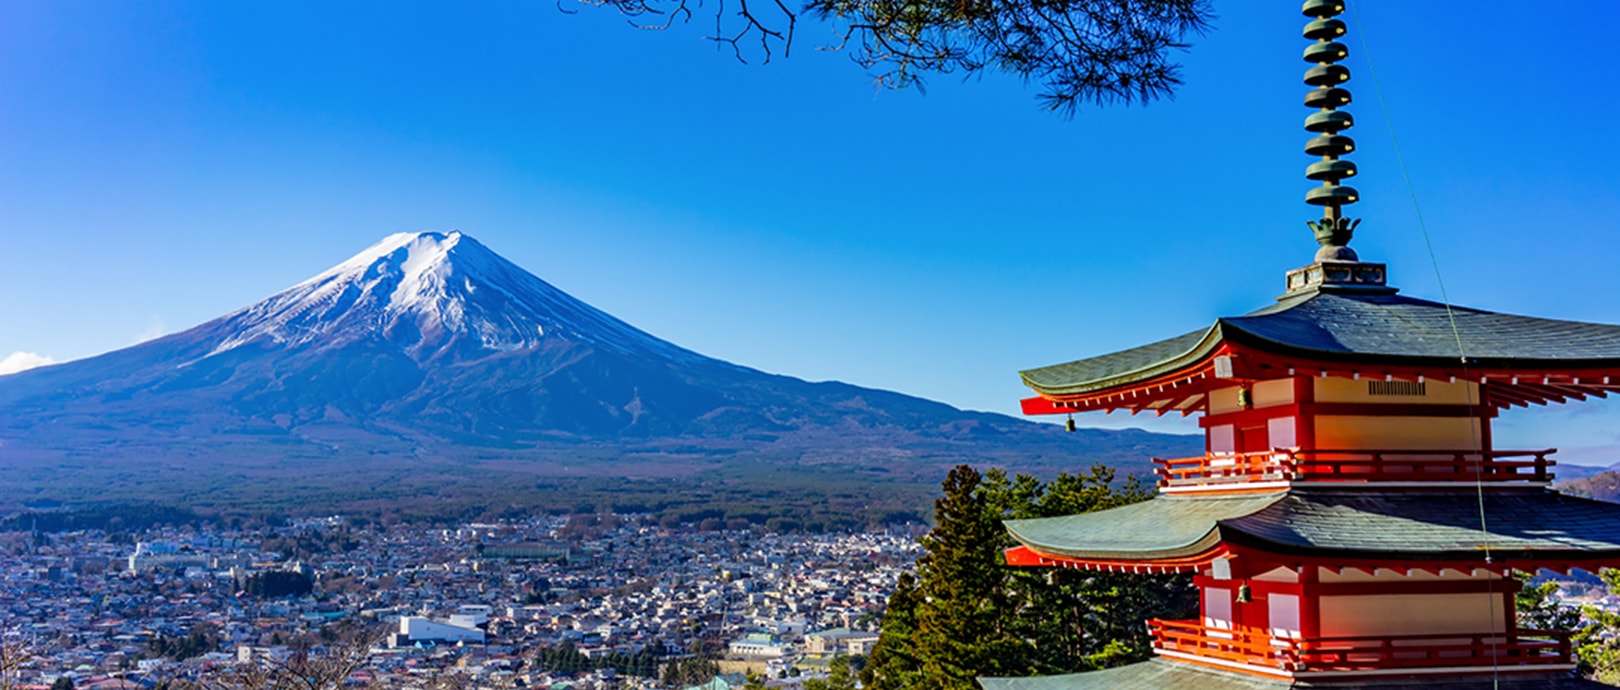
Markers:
{"x": 685, "y": 673}
{"x": 278, "y": 583}
{"x": 893, "y": 664}
{"x": 1538, "y": 607}
{"x": 1598, "y": 644}
{"x": 968, "y": 615}
{"x": 200, "y": 640}
{"x": 1076, "y": 619}
{"x": 839, "y": 676}
{"x": 959, "y": 632}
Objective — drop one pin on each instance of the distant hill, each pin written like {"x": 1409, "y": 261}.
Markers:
{"x": 1599, "y": 483}
{"x": 429, "y": 363}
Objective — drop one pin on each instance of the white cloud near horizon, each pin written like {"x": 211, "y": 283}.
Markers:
{"x": 154, "y": 330}
{"x": 22, "y": 361}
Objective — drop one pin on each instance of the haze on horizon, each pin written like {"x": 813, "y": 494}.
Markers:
{"x": 161, "y": 166}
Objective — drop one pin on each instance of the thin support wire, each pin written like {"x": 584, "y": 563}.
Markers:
{"x": 1456, "y": 335}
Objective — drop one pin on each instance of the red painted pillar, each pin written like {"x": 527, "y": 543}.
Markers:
{"x": 1240, "y": 576}
{"x": 1305, "y": 421}
{"x": 1510, "y": 609}
{"x": 1310, "y": 604}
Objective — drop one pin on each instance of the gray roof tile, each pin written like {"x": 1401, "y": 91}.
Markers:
{"x": 1532, "y": 525}
{"x": 1354, "y": 327}
{"x": 1165, "y": 527}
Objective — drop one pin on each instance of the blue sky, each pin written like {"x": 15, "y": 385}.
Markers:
{"x": 165, "y": 163}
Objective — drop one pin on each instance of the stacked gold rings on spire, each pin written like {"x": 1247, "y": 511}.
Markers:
{"x": 1327, "y": 97}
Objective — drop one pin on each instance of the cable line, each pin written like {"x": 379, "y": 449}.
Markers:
{"x": 1456, "y": 335}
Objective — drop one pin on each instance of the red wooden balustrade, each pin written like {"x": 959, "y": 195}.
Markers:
{"x": 1357, "y": 466}
{"x": 1429, "y": 651}
{"x": 1261, "y": 649}
{"x": 1250, "y": 648}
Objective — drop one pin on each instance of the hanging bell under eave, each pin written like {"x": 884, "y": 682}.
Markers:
{"x": 1244, "y": 596}
{"x": 1069, "y": 425}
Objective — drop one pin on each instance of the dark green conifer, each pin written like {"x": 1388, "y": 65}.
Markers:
{"x": 959, "y": 620}
{"x": 894, "y": 665}
{"x": 968, "y": 615}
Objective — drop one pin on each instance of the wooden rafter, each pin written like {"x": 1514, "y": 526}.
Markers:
{"x": 1506, "y": 393}
{"x": 1575, "y": 391}
{"x": 1543, "y": 391}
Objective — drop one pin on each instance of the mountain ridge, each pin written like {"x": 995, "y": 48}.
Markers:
{"x": 430, "y": 345}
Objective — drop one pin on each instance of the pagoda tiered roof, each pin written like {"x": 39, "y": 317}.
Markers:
{"x": 1530, "y": 529}
{"x": 1166, "y": 527}
{"x": 1372, "y": 333}
{"x": 1158, "y": 674}
{"x": 1351, "y": 523}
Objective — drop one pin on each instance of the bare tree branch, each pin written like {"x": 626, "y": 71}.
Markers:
{"x": 1080, "y": 51}
{"x": 15, "y": 653}
{"x": 328, "y": 669}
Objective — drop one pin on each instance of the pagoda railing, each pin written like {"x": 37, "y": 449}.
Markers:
{"x": 1248, "y": 648}
{"x": 1291, "y": 465}
{"x": 1528, "y": 648}
{"x": 1289, "y": 655}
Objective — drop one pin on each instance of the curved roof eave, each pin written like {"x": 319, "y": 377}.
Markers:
{"x": 1370, "y": 329}
{"x": 1242, "y": 336}
{"x": 1160, "y": 528}
{"x": 1536, "y": 525}
{"x": 1180, "y": 357}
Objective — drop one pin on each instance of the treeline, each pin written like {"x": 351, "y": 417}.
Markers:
{"x": 685, "y": 673}
{"x": 565, "y": 658}
{"x": 840, "y": 674}
{"x": 277, "y": 583}
{"x": 108, "y": 518}
{"x": 740, "y": 495}
{"x": 812, "y": 500}
{"x": 311, "y": 543}
{"x": 201, "y": 640}
{"x": 966, "y": 614}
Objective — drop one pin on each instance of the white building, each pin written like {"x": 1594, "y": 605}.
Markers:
{"x": 760, "y": 646}
{"x": 149, "y": 555}
{"x": 840, "y": 641}
{"x": 413, "y": 629}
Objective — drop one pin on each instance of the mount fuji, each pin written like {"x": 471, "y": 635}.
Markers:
{"x": 431, "y": 345}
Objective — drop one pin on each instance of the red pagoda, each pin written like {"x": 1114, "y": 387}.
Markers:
{"x": 1351, "y": 523}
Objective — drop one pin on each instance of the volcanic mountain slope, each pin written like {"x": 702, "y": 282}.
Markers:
{"x": 432, "y": 341}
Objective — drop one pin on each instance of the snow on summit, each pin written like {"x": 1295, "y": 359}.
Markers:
{"x": 430, "y": 292}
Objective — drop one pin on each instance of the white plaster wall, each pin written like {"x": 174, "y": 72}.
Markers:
{"x": 1278, "y": 574}
{"x": 1411, "y": 614}
{"x": 1385, "y": 433}
{"x": 1283, "y": 612}
{"x": 1218, "y": 608}
{"x": 1222, "y": 439}
{"x": 1223, "y": 400}
{"x": 1280, "y": 432}
{"x": 1337, "y": 389}
{"x": 1274, "y": 392}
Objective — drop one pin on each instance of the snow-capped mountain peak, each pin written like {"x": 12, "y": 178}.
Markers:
{"x": 430, "y": 292}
